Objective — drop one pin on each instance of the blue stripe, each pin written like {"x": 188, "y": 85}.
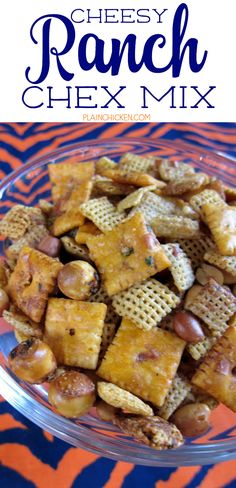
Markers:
{"x": 97, "y": 473}
{"x": 150, "y": 475}
{"x": 10, "y": 478}
{"x": 199, "y": 477}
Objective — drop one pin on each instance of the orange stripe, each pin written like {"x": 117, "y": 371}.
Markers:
{"x": 114, "y": 130}
{"x": 118, "y": 475}
{"x": 7, "y": 421}
{"x": 139, "y": 131}
{"x": 15, "y": 142}
{"x": 8, "y": 158}
{"x": 180, "y": 478}
{"x": 48, "y": 436}
{"x": 4, "y": 326}
{"x": 206, "y": 130}
{"x": 215, "y": 143}
{"x": 221, "y": 419}
{"x": 30, "y": 196}
{"x": 47, "y": 125}
{"x": 60, "y": 134}
{"x": 21, "y": 128}
{"x": 220, "y": 475}
{"x": 20, "y": 459}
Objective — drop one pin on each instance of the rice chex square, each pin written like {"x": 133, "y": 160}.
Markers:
{"x": 180, "y": 268}
{"x": 215, "y": 305}
{"x": 146, "y": 304}
{"x": 102, "y": 213}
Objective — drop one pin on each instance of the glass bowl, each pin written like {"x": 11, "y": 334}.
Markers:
{"x": 26, "y": 186}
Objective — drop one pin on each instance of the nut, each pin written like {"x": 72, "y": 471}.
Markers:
{"x": 187, "y": 327}
{"x": 206, "y": 272}
{"x": 50, "y": 245}
{"x": 201, "y": 276}
{"x": 192, "y": 419}
{"x": 191, "y": 295}
{"x": 213, "y": 272}
{"x": 229, "y": 279}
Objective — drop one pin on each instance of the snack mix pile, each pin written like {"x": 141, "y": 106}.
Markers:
{"x": 122, "y": 295}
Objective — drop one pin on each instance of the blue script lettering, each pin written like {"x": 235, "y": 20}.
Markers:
{"x": 118, "y": 50}
{"x": 46, "y": 50}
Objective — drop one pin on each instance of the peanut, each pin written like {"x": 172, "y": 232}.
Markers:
{"x": 187, "y": 327}
{"x": 50, "y": 245}
{"x": 206, "y": 272}
{"x": 193, "y": 419}
{"x": 191, "y": 294}
{"x": 229, "y": 279}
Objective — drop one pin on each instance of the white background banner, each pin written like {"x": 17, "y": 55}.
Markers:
{"x": 118, "y": 61}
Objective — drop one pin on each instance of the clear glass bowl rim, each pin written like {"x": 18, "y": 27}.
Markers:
{"x": 79, "y": 435}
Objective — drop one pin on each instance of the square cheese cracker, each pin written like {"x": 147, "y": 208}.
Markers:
{"x": 66, "y": 176}
{"x": 73, "y": 330}
{"x": 127, "y": 254}
{"x": 142, "y": 362}
{"x": 216, "y": 373}
{"x": 32, "y": 281}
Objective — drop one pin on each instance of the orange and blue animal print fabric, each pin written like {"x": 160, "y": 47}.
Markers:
{"x": 29, "y": 456}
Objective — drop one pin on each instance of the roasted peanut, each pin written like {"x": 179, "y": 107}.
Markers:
{"x": 201, "y": 276}
{"x": 214, "y": 273}
{"x": 32, "y": 360}
{"x": 72, "y": 394}
{"x": 4, "y": 301}
{"x": 78, "y": 280}
{"x": 229, "y": 279}
{"x": 191, "y": 294}
{"x": 192, "y": 419}
{"x": 187, "y": 327}
{"x": 206, "y": 272}
{"x": 50, "y": 245}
